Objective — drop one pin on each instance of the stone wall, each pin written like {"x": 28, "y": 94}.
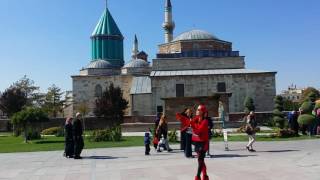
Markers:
{"x": 142, "y": 104}
{"x": 84, "y": 89}
{"x": 259, "y": 86}
{"x": 198, "y": 63}
{"x": 91, "y": 123}
{"x": 179, "y": 46}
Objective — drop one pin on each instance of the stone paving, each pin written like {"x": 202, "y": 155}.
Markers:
{"x": 294, "y": 160}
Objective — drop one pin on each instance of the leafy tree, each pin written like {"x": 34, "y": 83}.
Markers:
{"x": 12, "y": 101}
{"x": 111, "y": 105}
{"x": 53, "y": 104}
{"x": 27, "y": 118}
{"x": 308, "y": 93}
{"x": 32, "y": 93}
{"x": 289, "y": 105}
{"x": 249, "y": 105}
{"x": 83, "y": 108}
{"x": 278, "y": 115}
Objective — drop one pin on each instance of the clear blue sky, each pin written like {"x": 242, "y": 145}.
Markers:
{"x": 48, "y": 40}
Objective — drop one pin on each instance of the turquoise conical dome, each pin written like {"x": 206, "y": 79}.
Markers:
{"x": 107, "y": 41}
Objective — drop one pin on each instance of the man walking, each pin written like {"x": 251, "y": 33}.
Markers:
{"x": 77, "y": 136}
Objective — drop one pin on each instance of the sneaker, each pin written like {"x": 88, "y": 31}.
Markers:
{"x": 158, "y": 150}
{"x": 248, "y": 148}
{"x": 252, "y": 150}
{"x": 169, "y": 150}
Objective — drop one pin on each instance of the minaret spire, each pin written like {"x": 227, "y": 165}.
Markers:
{"x": 135, "y": 49}
{"x": 168, "y": 24}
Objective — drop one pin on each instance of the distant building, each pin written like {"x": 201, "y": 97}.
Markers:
{"x": 292, "y": 93}
{"x": 2, "y": 115}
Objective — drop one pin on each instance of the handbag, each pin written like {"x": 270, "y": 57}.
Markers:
{"x": 249, "y": 129}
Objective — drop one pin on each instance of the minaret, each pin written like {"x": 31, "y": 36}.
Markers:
{"x": 135, "y": 49}
{"x": 168, "y": 24}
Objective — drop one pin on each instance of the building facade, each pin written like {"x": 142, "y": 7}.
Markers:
{"x": 195, "y": 67}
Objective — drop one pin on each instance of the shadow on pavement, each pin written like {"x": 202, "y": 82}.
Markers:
{"x": 279, "y": 151}
{"x": 230, "y": 156}
{"x": 101, "y": 157}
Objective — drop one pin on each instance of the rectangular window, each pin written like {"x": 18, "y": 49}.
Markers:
{"x": 221, "y": 87}
{"x": 179, "y": 90}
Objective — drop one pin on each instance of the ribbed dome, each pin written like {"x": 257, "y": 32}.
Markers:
{"x": 99, "y": 64}
{"x": 195, "y": 35}
{"x": 137, "y": 63}
{"x": 106, "y": 26}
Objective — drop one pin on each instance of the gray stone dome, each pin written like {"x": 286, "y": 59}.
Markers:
{"x": 99, "y": 64}
{"x": 195, "y": 35}
{"x": 137, "y": 63}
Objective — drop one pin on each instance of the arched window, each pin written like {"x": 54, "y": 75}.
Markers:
{"x": 98, "y": 91}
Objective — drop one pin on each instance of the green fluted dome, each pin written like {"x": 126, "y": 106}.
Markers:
{"x": 106, "y": 26}
{"x": 107, "y": 41}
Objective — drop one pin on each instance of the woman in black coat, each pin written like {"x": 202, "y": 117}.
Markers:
{"x": 69, "y": 144}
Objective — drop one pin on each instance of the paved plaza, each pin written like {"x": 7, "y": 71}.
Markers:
{"x": 294, "y": 160}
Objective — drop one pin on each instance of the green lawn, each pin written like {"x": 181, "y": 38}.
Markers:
{"x": 16, "y": 144}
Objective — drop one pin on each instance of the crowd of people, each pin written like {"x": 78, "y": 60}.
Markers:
{"x": 195, "y": 130}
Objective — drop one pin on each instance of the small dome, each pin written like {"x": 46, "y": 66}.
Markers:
{"x": 99, "y": 64}
{"x": 195, "y": 35}
{"x": 137, "y": 63}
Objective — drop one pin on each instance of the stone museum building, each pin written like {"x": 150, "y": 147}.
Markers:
{"x": 193, "y": 67}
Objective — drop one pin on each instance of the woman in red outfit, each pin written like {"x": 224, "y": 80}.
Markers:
{"x": 200, "y": 138}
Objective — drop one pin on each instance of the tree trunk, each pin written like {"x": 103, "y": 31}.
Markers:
{"x": 25, "y": 134}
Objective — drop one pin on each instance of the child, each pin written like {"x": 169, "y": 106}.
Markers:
{"x": 147, "y": 141}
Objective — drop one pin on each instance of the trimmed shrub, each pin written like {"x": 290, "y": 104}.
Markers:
{"x": 111, "y": 134}
{"x": 249, "y": 105}
{"x": 278, "y": 115}
{"x": 173, "y": 136}
{"x": 306, "y": 119}
{"x": 307, "y": 107}
{"x": 33, "y": 135}
{"x": 51, "y": 131}
{"x": 286, "y": 133}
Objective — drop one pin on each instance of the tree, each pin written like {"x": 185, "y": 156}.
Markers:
{"x": 249, "y": 105}
{"x": 83, "y": 108}
{"x": 12, "y": 100}
{"x": 26, "y": 85}
{"x": 53, "y": 103}
{"x": 309, "y": 91}
{"x": 289, "y": 105}
{"x": 111, "y": 105}
{"x": 26, "y": 119}
{"x": 278, "y": 115}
